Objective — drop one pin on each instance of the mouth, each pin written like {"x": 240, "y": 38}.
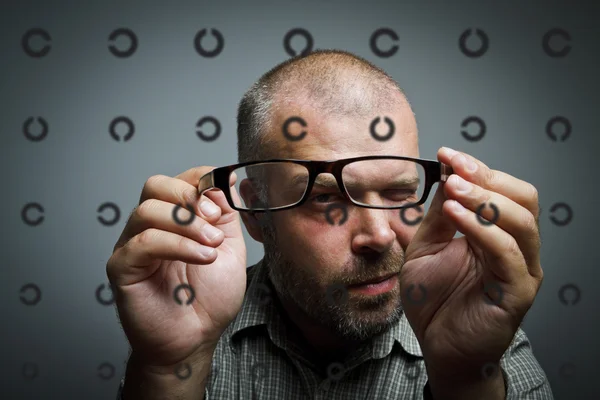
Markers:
{"x": 374, "y": 280}
{"x": 375, "y": 286}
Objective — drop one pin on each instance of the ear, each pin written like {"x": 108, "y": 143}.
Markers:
{"x": 253, "y": 225}
{"x": 251, "y": 220}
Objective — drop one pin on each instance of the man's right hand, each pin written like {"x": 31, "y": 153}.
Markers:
{"x": 155, "y": 254}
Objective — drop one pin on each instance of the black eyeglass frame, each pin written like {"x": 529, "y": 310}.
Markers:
{"x": 218, "y": 178}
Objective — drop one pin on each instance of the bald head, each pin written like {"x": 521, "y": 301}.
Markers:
{"x": 334, "y": 82}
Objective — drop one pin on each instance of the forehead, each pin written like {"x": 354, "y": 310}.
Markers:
{"x": 333, "y": 136}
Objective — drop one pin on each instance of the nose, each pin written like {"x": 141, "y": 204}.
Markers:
{"x": 375, "y": 232}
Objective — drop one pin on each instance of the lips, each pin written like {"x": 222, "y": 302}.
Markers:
{"x": 375, "y": 280}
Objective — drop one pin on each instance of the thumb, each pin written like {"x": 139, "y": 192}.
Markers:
{"x": 435, "y": 230}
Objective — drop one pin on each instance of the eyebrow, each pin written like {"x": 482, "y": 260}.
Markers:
{"x": 329, "y": 182}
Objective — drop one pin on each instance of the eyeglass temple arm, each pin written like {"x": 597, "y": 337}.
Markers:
{"x": 445, "y": 172}
{"x": 206, "y": 182}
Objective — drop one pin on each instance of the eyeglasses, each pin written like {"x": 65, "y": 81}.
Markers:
{"x": 382, "y": 182}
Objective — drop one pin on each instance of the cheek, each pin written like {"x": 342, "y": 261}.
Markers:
{"x": 314, "y": 245}
{"x": 406, "y": 224}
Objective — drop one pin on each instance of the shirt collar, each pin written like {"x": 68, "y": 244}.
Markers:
{"x": 258, "y": 310}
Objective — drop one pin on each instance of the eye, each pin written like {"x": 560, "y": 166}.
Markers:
{"x": 323, "y": 197}
{"x": 401, "y": 193}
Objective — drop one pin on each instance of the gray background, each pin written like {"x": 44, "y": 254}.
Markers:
{"x": 165, "y": 87}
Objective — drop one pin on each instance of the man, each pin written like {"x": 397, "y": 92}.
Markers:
{"x": 368, "y": 304}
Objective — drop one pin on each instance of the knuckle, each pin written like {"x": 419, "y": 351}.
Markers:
{"x": 110, "y": 268}
{"x": 153, "y": 181}
{"x": 512, "y": 246}
{"x": 144, "y": 209}
{"x": 147, "y": 236}
{"x": 188, "y": 197}
{"x": 529, "y": 221}
{"x": 533, "y": 193}
{"x": 183, "y": 244}
{"x": 492, "y": 178}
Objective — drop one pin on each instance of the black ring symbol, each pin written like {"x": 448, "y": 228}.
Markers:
{"x": 410, "y": 297}
{"x": 476, "y": 120}
{"x": 562, "y": 294}
{"x": 110, "y": 368}
{"x": 29, "y": 371}
{"x": 287, "y": 39}
{"x": 181, "y": 368}
{"x": 26, "y": 208}
{"x": 486, "y": 293}
{"x": 375, "y": 48}
{"x": 335, "y": 376}
{"x": 29, "y": 135}
{"x": 407, "y": 221}
{"x": 565, "y": 221}
{"x": 485, "y": 43}
{"x": 558, "y": 120}
{"x": 262, "y": 294}
{"x": 374, "y": 123}
{"x": 126, "y": 121}
{"x": 482, "y": 220}
{"x": 27, "y": 48}
{"x": 546, "y": 43}
{"x": 209, "y": 53}
{"x": 215, "y": 122}
{"x": 99, "y": 295}
{"x": 567, "y": 370}
{"x": 132, "y": 39}
{"x": 116, "y": 217}
{"x": 333, "y": 206}
{"x": 36, "y": 299}
{"x": 190, "y": 208}
{"x": 287, "y": 134}
{"x": 337, "y": 288}
{"x": 412, "y": 375}
{"x": 184, "y": 286}
{"x": 489, "y": 370}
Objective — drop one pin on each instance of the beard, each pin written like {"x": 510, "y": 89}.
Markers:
{"x": 353, "y": 318}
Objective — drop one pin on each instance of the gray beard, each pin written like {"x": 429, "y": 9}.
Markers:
{"x": 346, "y": 319}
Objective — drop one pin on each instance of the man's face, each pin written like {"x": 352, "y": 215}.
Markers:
{"x": 308, "y": 257}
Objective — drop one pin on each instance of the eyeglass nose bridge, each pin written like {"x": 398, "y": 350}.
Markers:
{"x": 316, "y": 168}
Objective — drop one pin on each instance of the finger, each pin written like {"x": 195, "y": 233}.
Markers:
{"x": 126, "y": 265}
{"x": 497, "y": 209}
{"x": 502, "y": 253}
{"x": 193, "y": 175}
{"x": 521, "y": 192}
{"x": 228, "y": 219}
{"x": 180, "y": 194}
{"x": 435, "y": 229}
{"x": 517, "y": 190}
{"x": 161, "y": 215}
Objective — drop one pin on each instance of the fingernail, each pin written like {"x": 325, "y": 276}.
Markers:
{"x": 208, "y": 208}
{"x": 449, "y": 151}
